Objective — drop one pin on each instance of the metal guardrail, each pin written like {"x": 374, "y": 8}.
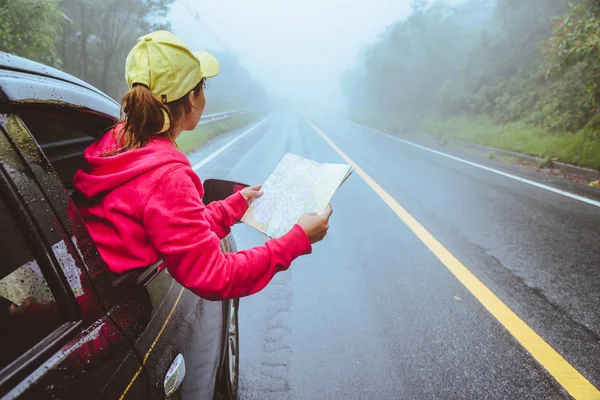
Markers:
{"x": 208, "y": 118}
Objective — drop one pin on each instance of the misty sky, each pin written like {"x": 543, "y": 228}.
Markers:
{"x": 296, "y": 48}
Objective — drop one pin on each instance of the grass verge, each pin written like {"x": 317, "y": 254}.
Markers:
{"x": 579, "y": 148}
{"x": 190, "y": 141}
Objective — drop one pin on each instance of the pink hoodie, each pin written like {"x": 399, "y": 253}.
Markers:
{"x": 146, "y": 205}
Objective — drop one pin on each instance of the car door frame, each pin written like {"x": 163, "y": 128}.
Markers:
{"x": 21, "y": 91}
{"x": 19, "y": 191}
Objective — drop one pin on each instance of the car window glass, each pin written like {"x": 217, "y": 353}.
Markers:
{"x": 28, "y": 312}
{"x": 64, "y": 136}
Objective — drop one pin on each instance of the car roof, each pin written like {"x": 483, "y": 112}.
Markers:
{"x": 11, "y": 62}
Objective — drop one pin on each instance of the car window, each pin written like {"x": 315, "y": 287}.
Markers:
{"x": 28, "y": 310}
{"x": 64, "y": 135}
{"x": 62, "y": 138}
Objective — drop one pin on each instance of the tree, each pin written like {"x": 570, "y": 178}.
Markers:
{"x": 99, "y": 34}
{"x": 28, "y": 28}
{"x": 575, "y": 37}
{"x": 90, "y": 39}
{"x": 572, "y": 54}
{"x": 401, "y": 72}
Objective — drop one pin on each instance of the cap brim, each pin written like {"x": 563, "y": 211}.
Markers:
{"x": 208, "y": 64}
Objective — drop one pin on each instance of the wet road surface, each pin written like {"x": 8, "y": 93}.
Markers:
{"x": 374, "y": 314}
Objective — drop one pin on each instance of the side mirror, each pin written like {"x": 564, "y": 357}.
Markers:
{"x": 217, "y": 189}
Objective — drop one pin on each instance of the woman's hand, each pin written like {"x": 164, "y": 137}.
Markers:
{"x": 316, "y": 224}
{"x": 252, "y": 192}
{"x": 15, "y": 309}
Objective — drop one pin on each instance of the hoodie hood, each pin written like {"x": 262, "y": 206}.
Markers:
{"x": 101, "y": 174}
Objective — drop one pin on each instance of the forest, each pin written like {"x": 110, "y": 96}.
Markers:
{"x": 513, "y": 74}
{"x": 90, "y": 39}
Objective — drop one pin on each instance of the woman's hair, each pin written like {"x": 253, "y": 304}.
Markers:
{"x": 143, "y": 115}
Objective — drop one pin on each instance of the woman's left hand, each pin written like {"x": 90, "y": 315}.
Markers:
{"x": 252, "y": 192}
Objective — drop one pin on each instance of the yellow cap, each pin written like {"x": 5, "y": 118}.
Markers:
{"x": 161, "y": 61}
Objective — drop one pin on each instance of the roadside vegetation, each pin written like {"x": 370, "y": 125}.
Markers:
{"x": 190, "y": 141}
{"x": 519, "y": 75}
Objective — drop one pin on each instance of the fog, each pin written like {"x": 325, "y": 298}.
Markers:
{"x": 443, "y": 66}
{"x": 297, "y": 50}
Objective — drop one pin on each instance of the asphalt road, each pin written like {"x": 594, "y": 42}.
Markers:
{"x": 374, "y": 314}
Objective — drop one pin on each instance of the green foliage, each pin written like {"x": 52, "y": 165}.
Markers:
{"x": 546, "y": 162}
{"x": 575, "y": 37}
{"x": 190, "y": 141}
{"x": 98, "y": 34}
{"x": 90, "y": 39}
{"x": 564, "y": 104}
{"x": 412, "y": 58}
{"x": 580, "y": 148}
{"x": 28, "y": 28}
{"x": 572, "y": 61}
{"x": 529, "y": 82}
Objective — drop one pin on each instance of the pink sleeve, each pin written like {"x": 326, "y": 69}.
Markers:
{"x": 176, "y": 223}
{"x": 221, "y": 215}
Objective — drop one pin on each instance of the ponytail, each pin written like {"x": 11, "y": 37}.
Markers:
{"x": 144, "y": 116}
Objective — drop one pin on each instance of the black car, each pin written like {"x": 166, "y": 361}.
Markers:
{"x": 72, "y": 329}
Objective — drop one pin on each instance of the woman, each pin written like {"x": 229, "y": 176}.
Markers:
{"x": 144, "y": 201}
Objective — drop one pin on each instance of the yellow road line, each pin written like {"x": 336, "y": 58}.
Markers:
{"x": 566, "y": 375}
{"x": 152, "y": 345}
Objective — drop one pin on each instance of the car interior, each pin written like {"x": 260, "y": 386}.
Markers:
{"x": 64, "y": 135}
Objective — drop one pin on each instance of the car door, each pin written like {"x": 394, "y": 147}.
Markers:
{"x": 63, "y": 344}
{"x": 154, "y": 317}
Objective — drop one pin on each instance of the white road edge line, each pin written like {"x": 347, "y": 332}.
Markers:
{"x": 493, "y": 170}
{"x": 212, "y": 156}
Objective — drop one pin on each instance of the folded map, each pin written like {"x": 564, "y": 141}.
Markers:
{"x": 296, "y": 186}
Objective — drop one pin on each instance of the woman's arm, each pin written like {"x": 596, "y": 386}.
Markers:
{"x": 177, "y": 224}
{"x": 225, "y": 213}
{"x": 221, "y": 215}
